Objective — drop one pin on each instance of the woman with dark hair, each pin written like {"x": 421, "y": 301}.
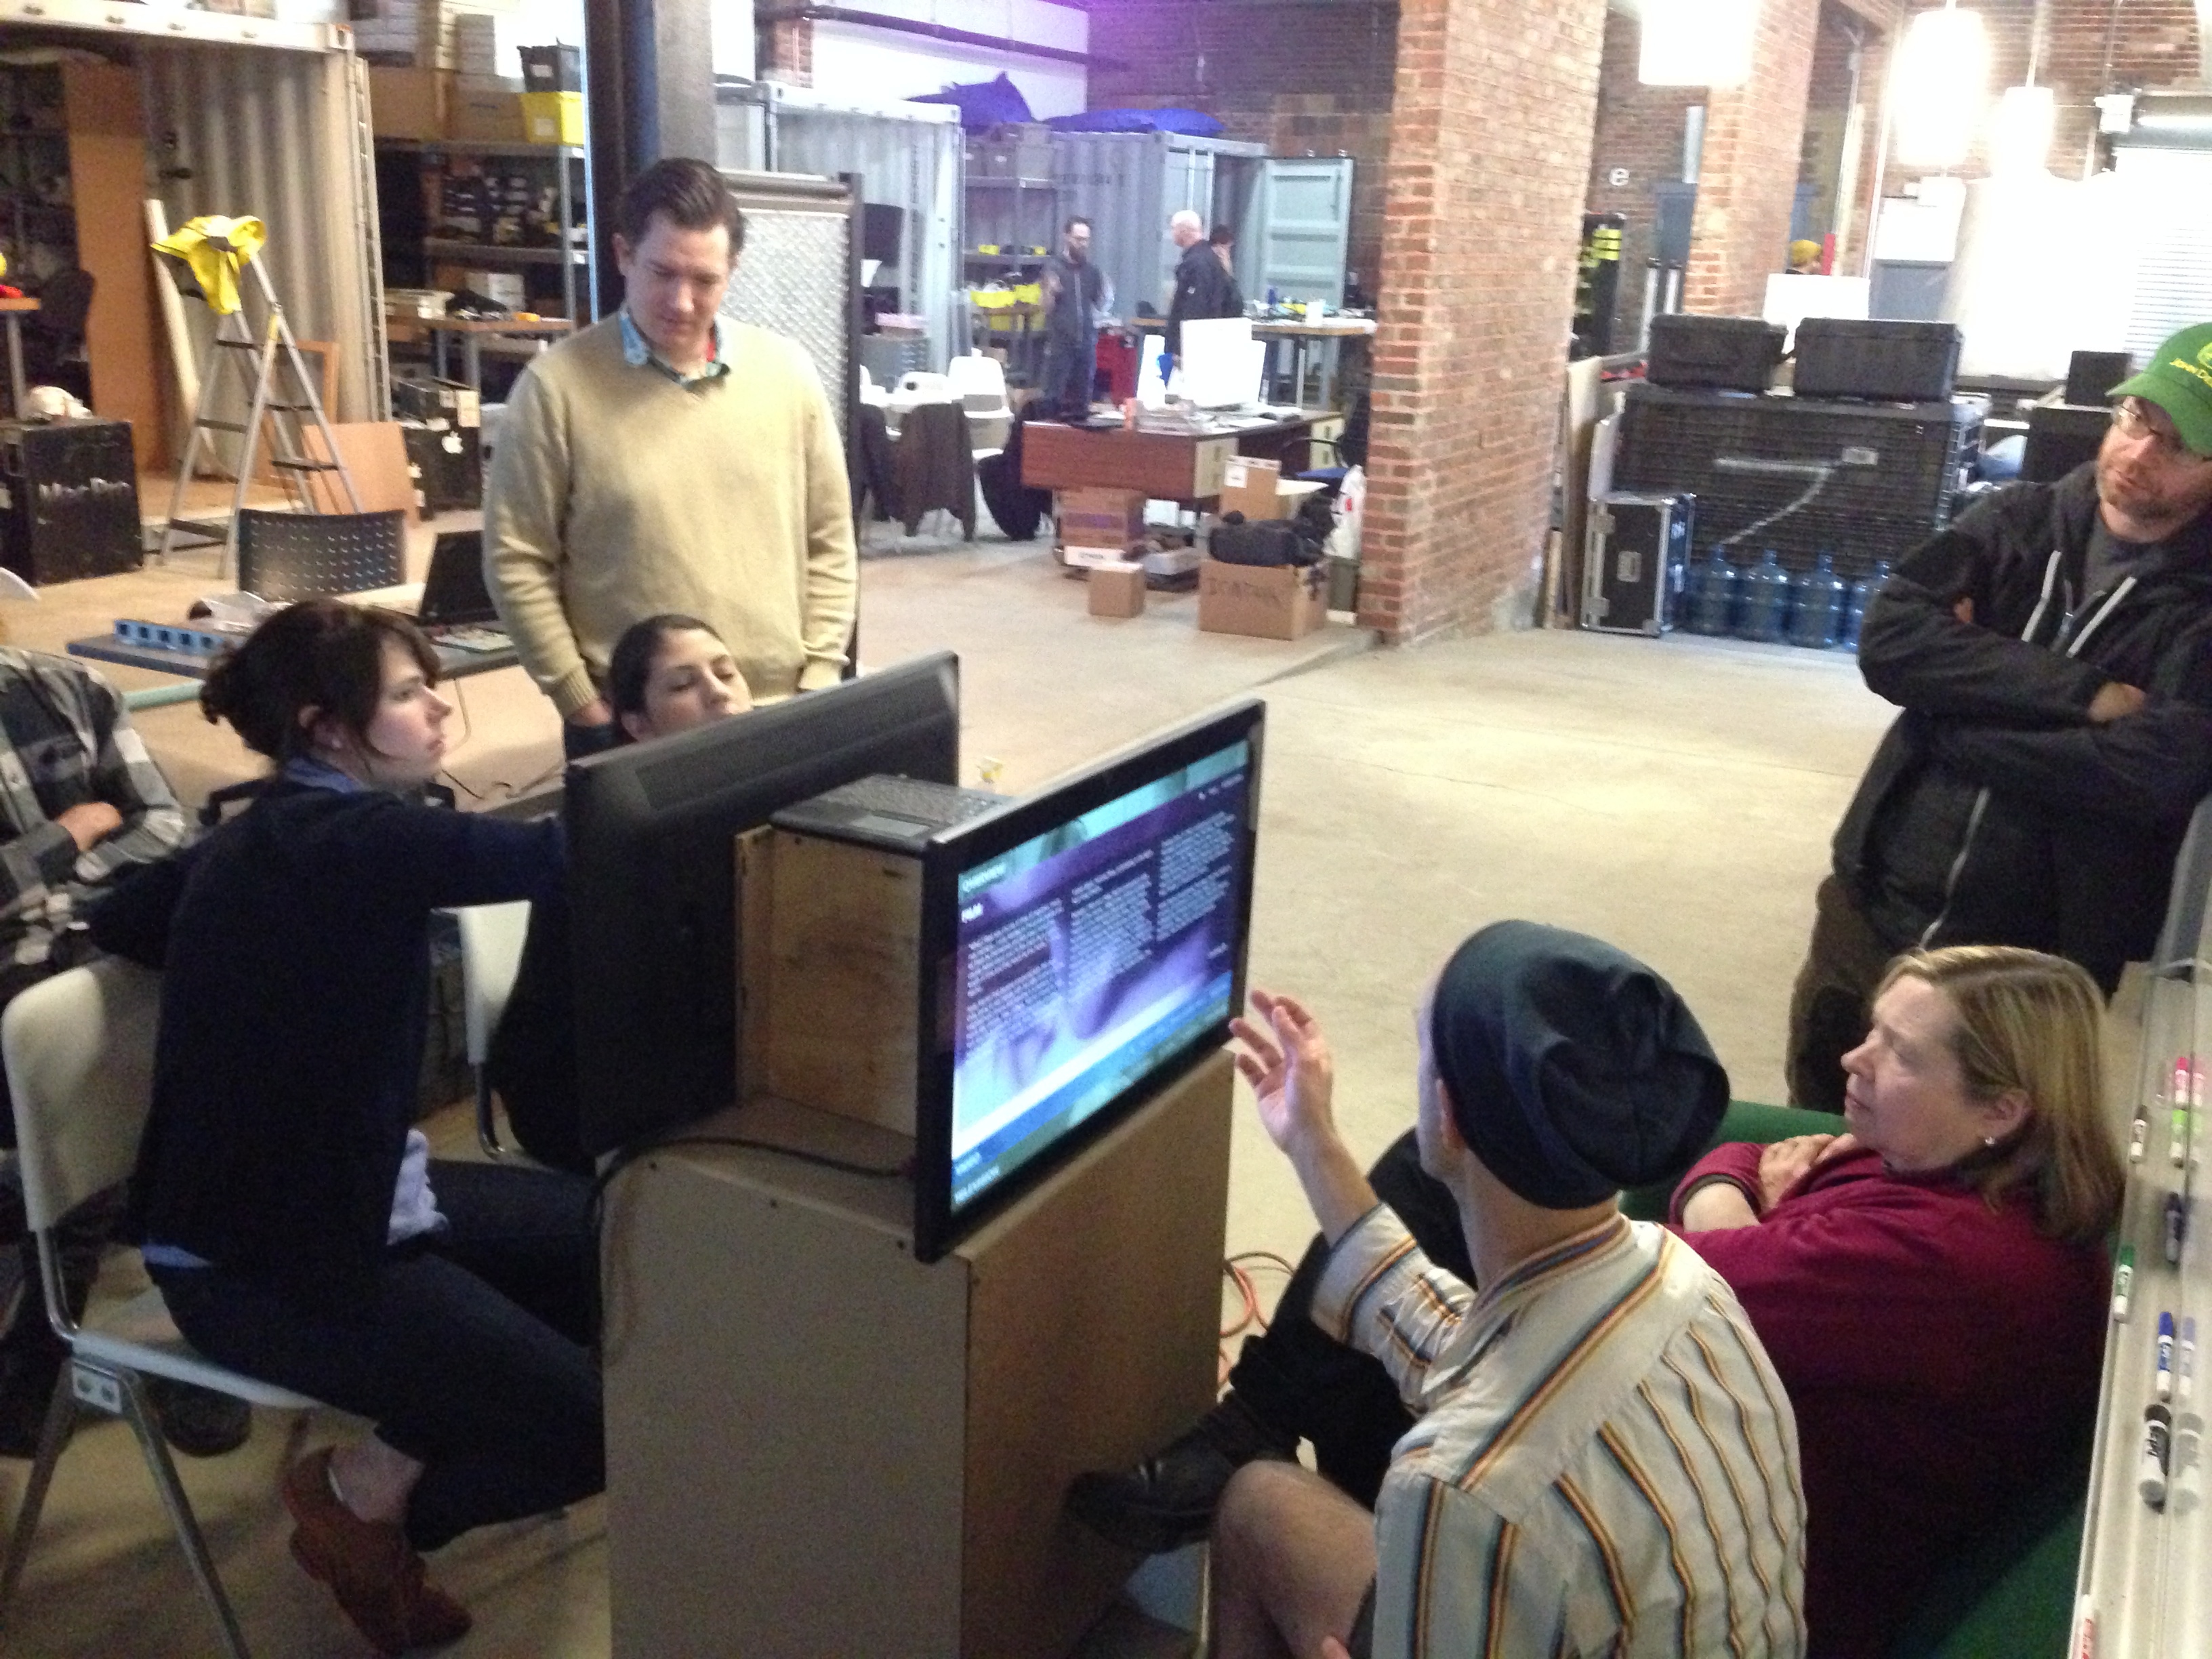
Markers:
{"x": 289, "y": 1213}
{"x": 665, "y": 674}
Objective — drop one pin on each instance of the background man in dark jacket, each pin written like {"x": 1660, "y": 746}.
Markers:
{"x": 1203, "y": 286}
{"x": 2052, "y": 652}
{"x": 1073, "y": 289}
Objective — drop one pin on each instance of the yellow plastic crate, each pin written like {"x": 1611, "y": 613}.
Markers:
{"x": 553, "y": 117}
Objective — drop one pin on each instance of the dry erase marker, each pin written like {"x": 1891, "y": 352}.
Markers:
{"x": 2165, "y": 1384}
{"x": 2176, "y": 1113}
{"x": 2196, "y": 1109}
{"x": 2158, "y": 1443}
{"x": 2177, "y": 1225}
{"x": 2085, "y": 1628}
{"x": 2123, "y": 1281}
{"x": 2188, "y": 1358}
{"x": 2138, "y": 1136}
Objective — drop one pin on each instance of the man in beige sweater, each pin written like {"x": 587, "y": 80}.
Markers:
{"x": 668, "y": 459}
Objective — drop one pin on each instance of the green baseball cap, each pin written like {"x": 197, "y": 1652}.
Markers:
{"x": 2179, "y": 382}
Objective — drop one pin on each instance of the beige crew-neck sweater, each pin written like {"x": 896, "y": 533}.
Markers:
{"x": 615, "y": 494}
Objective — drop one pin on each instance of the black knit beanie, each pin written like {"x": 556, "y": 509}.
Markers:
{"x": 1574, "y": 1070}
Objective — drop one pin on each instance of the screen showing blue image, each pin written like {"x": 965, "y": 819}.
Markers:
{"x": 1089, "y": 955}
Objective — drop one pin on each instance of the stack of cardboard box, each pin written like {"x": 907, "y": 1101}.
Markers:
{"x": 1100, "y": 527}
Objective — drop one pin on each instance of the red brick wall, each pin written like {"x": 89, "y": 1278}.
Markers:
{"x": 787, "y": 53}
{"x": 1639, "y": 128}
{"x": 1496, "y": 102}
{"x": 1747, "y": 179}
{"x": 2156, "y": 47}
{"x": 1298, "y": 76}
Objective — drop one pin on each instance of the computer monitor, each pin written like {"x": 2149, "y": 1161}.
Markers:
{"x": 453, "y": 591}
{"x": 652, "y": 878}
{"x": 1221, "y": 363}
{"x": 1080, "y": 949}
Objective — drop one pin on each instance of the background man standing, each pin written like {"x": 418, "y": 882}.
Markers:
{"x": 1203, "y": 286}
{"x": 1073, "y": 290}
{"x": 668, "y": 459}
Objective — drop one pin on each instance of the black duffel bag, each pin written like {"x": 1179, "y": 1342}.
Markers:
{"x": 1270, "y": 542}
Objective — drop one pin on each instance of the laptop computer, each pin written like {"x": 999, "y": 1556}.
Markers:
{"x": 897, "y": 814}
{"x": 454, "y": 592}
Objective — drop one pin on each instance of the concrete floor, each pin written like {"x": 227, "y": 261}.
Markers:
{"x": 1674, "y": 797}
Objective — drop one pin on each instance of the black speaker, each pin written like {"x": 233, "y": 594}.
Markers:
{"x": 69, "y": 499}
{"x": 2091, "y": 375}
{"x": 1880, "y": 359}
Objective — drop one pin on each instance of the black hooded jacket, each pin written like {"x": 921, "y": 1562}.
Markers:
{"x": 1994, "y": 812}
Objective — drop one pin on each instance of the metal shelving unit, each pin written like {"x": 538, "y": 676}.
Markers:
{"x": 578, "y": 282}
{"x": 26, "y": 151}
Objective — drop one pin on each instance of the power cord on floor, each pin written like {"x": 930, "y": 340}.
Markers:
{"x": 1239, "y": 1270}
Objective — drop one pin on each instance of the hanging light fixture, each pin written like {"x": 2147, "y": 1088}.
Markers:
{"x": 1941, "y": 86}
{"x": 1697, "y": 43}
{"x": 2020, "y": 131}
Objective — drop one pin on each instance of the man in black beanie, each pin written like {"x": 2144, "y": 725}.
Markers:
{"x": 1604, "y": 1460}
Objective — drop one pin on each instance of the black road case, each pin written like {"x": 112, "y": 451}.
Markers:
{"x": 1720, "y": 354}
{"x": 1634, "y": 562}
{"x": 1880, "y": 360}
{"x": 69, "y": 499}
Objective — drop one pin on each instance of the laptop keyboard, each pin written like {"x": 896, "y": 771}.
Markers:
{"x": 926, "y": 802}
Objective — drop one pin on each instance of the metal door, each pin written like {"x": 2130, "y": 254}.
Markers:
{"x": 1299, "y": 225}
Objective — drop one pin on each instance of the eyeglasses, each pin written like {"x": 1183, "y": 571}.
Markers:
{"x": 2135, "y": 422}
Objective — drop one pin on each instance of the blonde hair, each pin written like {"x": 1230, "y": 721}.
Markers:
{"x": 2025, "y": 1021}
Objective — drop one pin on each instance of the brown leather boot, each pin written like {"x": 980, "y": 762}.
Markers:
{"x": 376, "y": 1576}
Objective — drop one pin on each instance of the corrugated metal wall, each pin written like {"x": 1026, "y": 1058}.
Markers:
{"x": 279, "y": 135}
{"x": 913, "y": 165}
{"x": 1128, "y": 186}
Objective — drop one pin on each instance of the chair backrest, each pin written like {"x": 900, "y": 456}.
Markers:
{"x": 303, "y": 556}
{"x": 79, "y": 1049}
{"x": 491, "y": 952}
{"x": 979, "y": 381}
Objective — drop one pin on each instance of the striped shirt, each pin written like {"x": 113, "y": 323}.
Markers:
{"x": 1604, "y": 1463}
{"x": 66, "y": 740}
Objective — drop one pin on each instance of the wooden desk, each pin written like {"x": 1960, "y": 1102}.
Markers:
{"x": 473, "y": 333}
{"x": 13, "y": 312}
{"x": 1168, "y": 466}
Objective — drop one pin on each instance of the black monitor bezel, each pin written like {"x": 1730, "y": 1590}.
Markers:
{"x": 605, "y": 800}
{"x": 935, "y": 1227}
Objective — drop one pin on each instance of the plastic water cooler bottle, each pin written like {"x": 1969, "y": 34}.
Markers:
{"x": 1711, "y": 605}
{"x": 1856, "y": 602}
{"x": 1816, "y": 608}
{"x": 1765, "y": 601}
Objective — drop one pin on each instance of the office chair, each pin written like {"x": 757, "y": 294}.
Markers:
{"x": 304, "y": 555}
{"x": 79, "y": 1049}
{"x": 53, "y": 335}
{"x": 491, "y": 952}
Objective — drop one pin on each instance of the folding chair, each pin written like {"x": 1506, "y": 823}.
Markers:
{"x": 492, "y": 936}
{"x": 79, "y": 1049}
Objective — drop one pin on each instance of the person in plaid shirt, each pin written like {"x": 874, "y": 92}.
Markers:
{"x": 81, "y": 802}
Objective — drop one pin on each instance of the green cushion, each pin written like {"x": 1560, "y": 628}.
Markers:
{"x": 1745, "y": 1120}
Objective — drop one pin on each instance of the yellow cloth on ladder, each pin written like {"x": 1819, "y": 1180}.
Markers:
{"x": 214, "y": 249}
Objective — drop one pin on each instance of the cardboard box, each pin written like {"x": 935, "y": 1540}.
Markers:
{"x": 553, "y": 117}
{"x": 1258, "y": 489}
{"x": 1118, "y": 590}
{"x": 1078, "y": 555}
{"x": 483, "y": 116}
{"x": 1100, "y": 517}
{"x": 410, "y": 103}
{"x": 1278, "y": 603}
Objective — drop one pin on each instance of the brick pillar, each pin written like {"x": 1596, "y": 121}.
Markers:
{"x": 1747, "y": 179}
{"x": 1490, "y": 153}
{"x": 786, "y": 53}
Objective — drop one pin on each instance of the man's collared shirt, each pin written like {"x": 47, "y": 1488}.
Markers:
{"x": 639, "y": 352}
{"x": 65, "y": 741}
{"x": 1605, "y": 1463}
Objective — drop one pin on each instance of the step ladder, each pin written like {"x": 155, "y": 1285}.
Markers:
{"x": 279, "y": 395}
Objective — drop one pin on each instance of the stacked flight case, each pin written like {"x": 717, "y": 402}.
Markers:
{"x": 1635, "y": 560}
{"x": 69, "y": 499}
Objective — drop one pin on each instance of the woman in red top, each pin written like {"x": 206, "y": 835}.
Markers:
{"x": 1932, "y": 1285}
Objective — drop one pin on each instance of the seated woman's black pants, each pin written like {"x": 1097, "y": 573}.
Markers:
{"x": 471, "y": 1352}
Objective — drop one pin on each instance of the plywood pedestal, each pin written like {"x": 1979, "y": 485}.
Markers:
{"x": 818, "y": 1446}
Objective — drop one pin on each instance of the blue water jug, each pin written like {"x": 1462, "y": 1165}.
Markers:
{"x": 1765, "y": 601}
{"x": 1816, "y": 604}
{"x": 1856, "y": 602}
{"x": 1710, "y": 607}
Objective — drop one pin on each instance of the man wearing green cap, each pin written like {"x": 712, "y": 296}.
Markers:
{"x": 2052, "y": 652}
